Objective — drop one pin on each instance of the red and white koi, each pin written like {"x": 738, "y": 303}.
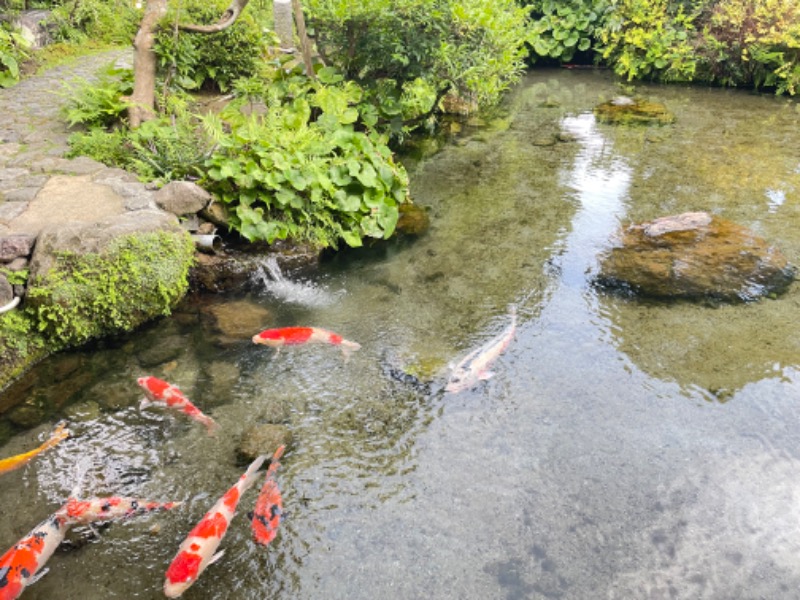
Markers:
{"x": 269, "y": 506}
{"x": 86, "y": 512}
{"x": 159, "y": 392}
{"x": 198, "y": 550}
{"x": 475, "y": 366}
{"x": 22, "y": 564}
{"x": 294, "y": 336}
{"x": 14, "y": 462}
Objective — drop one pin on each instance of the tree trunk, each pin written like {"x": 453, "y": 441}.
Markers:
{"x": 143, "y": 99}
{"x": 227, "y": 19}
{"x": 305, "y": 43}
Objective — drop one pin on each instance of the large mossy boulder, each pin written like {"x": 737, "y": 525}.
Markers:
{"x": 91, "y": 280}
{"x": 694, "y": 256}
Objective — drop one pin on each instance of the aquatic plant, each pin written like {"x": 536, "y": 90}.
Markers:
{"x": 634, "y": 112}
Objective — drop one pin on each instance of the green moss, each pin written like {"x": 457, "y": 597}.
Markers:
{"x": 638, "y": 112}
{"x": 20, "y": 345}
{"x": 136, "y": 278}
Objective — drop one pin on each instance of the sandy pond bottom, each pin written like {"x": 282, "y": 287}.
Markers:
{"x": 624, "y": 449}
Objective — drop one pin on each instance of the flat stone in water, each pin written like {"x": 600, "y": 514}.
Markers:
{"x": 633, "y": 111}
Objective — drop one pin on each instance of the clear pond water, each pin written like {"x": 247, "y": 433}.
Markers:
{"x": 624, "y": 449}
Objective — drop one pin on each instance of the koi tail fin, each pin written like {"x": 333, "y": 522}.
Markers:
{"x": 60, "y": 433}
{"x": 211, "y": 426}
{"x": 251, "y": 475}
{"x": 348, "y": 348}
{"x": 273, "y": 463}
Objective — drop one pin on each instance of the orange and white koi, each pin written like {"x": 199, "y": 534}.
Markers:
{"x": 86, "y": 512}
{"x": 198, "y": 550}
{"x": 475, "y": 366}
{"x": 269, "y": 506}
{"x": 158, "y": 391}
{"x": 294, "y": 336}
{"x": 9, "y": 464}
{"x": 22, "y": 564}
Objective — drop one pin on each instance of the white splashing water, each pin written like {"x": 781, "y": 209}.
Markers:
{"x": 269, "y": 276}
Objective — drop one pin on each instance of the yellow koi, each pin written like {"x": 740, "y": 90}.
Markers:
{"x": 15, "y": 462}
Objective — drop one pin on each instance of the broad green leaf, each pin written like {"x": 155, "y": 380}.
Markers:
{"x": 352, "y": 239}
{"x": 367, "y": 176}
{"x": 297, "y": 179}
{"x": 329, "y": 75}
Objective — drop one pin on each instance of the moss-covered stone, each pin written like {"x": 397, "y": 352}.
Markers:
{"x": 630, "y": 111}
{"x": 694, "y": 256}
{"x": 136, "y": 277}
{"x": 413, "y": 220}
{"x": 20, "y": 346}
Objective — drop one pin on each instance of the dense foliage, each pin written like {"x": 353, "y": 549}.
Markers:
{"x": 308, "y": 171}
{"x": 108, "y": 21}
{"x": 649, "y": 38}
{"x": 754, "y": 42}
{"x": 192, "y": 61}
{"x": 729, "y": 42}
{"x": 407, "y": 54}
{"x": 308, "y": 166}
{"x": 12, "y": 52}
{"x": 559, "y": 30}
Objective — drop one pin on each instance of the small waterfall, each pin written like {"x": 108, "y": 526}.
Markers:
{"x": 268, "y": 275}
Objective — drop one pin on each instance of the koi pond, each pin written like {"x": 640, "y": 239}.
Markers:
{"x": 624, "y": 448}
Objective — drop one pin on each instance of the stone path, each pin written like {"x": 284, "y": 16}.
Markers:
{"x": 38, "y": 187}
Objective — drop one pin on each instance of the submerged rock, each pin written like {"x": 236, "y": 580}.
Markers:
{"x": 262, "y": 439}
{"x": 413, "y": 220}
{"x": 239, "y": 319}
{"x": 623, "y": 110}
{"x": 694, "y": 256}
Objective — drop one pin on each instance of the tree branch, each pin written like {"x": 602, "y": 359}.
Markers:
{"x": 227, "y": 19}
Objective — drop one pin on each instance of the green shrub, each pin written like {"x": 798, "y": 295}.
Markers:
{"x": 752, "y": 42}
{"x": 649, "y": 39}
{"x": 109, "y": 21}
{"x": 195, "y": 60}
{"x": 407, "y": 54}
{"x": 13, "y": 49}
{"x": 306, "y": 172}
{"x": 167, "y": 148}
{"x": 560, "y": 29}
{"x": 98, "y": 103}
{"x": 107, "y": 147}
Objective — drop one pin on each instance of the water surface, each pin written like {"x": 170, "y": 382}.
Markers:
{"x": 624, "y": 449}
